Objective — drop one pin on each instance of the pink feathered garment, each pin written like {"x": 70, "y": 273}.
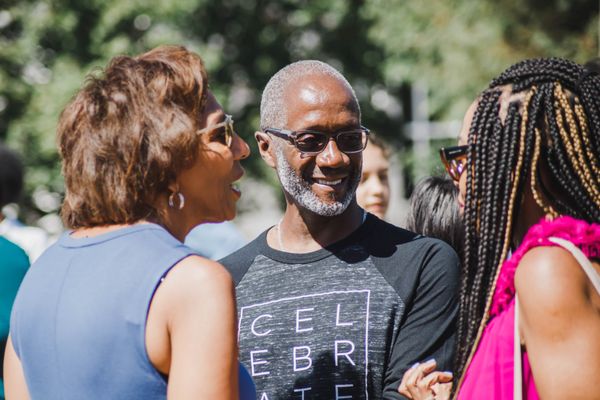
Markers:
{"x": 490, "y": 374}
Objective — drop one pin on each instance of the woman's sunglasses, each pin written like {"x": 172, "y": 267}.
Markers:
{"x": 312, "y": 143}
{"x": 227, "y": 130}
{"x": 454, "y": 159}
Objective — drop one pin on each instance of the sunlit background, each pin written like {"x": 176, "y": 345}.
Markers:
{"x": 415, "y": 65}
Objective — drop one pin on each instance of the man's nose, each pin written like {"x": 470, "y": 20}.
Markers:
{"x": 331, "y": 155}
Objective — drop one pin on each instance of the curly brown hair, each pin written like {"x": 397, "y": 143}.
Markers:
{"x": 128, "y": 133}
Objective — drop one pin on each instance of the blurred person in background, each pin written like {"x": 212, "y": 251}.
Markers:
{"x": 528, "y": 169}
{"x": 434, "y": 211}
{"x": 14, "y": 261}
{"x": 215, "y": 240}
{"x": 32, "y": 239}
{"x": 373, "y": 192}
{"x": 119, "y": 307}
{"x": 13, "y": 266}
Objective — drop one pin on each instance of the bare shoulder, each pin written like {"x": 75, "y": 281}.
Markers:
{"x": 192, "y": 312}
{"x": 550, "y": 280}
{"x": 198, "y": 271}
{"x": 195, "y": 281}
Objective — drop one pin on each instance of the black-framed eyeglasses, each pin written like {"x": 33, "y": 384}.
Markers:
{"x": 454, "y": 159}
{"x": 228, "y": 129}
{"x": 311, "y": 142}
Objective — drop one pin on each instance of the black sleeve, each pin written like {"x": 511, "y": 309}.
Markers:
{"x": 238, "y": 262}
{"x": 428, "y": 327}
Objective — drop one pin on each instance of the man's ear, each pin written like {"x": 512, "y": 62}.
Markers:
{"x": 265, "y": 147}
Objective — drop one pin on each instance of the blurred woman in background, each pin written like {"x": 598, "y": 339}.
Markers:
{"x": 373, "y": 192}
{"x": 434, "y": 211}
{"x": 119, "y": 307}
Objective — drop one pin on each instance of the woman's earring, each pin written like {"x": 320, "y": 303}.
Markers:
{"x": 180, "y": 198}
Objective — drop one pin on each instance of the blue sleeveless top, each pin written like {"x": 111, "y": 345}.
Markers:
{"x": 79, "y": 320}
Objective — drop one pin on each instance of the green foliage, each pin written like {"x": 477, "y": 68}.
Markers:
{"x": 455, "y": 46}
{"x": 49, "y": 46}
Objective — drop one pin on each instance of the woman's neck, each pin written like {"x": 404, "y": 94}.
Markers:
{"x": 100, "y": 230}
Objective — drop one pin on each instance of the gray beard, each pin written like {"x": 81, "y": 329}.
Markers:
{"x": 303, "y": 195}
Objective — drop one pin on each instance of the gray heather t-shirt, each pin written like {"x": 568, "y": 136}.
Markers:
{"x": 345, "y": 322}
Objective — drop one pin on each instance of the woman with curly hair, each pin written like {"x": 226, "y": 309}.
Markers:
{"x": 119, "y": 308}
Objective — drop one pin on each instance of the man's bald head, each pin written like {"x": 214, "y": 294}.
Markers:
{"x": 273, "y": 108}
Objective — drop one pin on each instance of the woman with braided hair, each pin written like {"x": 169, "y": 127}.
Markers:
{"x": 528, "y": 170}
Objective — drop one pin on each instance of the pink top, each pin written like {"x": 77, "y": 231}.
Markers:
{"x": 490, "y": 373}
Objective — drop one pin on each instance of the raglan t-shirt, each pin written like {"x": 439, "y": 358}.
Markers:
{"x": 346, "y": 321}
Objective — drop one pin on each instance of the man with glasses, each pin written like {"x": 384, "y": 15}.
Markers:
{"x": 334, "y": 303}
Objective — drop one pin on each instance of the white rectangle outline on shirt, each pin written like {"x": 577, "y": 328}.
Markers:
{"x": 367, "y": 291}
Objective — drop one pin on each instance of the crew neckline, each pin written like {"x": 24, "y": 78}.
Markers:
{"x": 67, "y": 240}
{"x": 304, "y": 258}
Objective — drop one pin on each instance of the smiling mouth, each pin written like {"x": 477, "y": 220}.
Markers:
{"x": 235, "y": 188}
{"x": 235, "y": 184}
{"x": 328, "y": 182}
{"x": 332, "y": 183}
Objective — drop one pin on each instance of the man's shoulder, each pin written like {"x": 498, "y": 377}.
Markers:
{"x": 238, "y": 262}
{"x": 383, "y": 236}
{"x": 404, "y": 257}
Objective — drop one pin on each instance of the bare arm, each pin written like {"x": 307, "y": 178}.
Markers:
{"x": 191, "y": 331}
{"x": 559, "y": 323}
{"x": 15, "y": 387}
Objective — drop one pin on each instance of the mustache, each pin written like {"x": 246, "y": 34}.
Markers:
{"x": 299, "y": 188}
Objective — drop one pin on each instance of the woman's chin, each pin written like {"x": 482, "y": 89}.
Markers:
{"x": 377, "y": 210}
{"x": 224, "y": 215}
